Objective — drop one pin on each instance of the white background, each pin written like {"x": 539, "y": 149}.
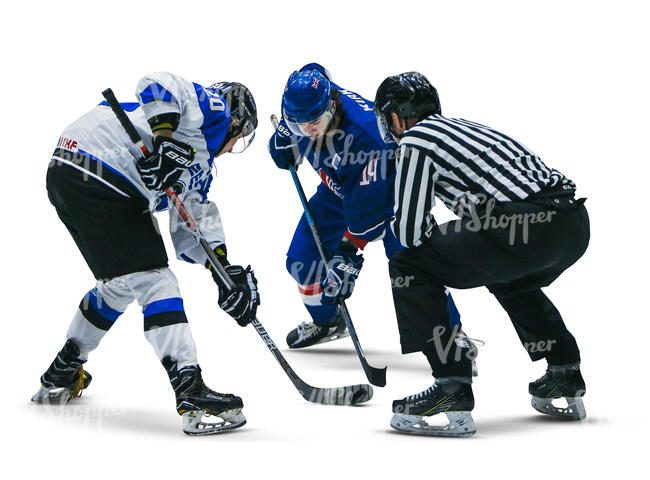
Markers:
{"x": 569, "y": 79}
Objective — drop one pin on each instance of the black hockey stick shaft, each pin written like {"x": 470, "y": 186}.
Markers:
{"x": 376, "y": 376}
{"x": 348, "y": 395}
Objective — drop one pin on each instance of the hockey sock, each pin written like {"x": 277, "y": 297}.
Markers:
{"x": 173, "y": 341}
{"x": 91, "y": 321}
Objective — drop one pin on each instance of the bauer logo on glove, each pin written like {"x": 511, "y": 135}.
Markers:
{"x": 341, "y": 275}
{"x": 162, "y": 169}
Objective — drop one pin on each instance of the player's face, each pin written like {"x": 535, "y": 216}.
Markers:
{"x": 316, "y": 128}
{"x": 240, "y": 142}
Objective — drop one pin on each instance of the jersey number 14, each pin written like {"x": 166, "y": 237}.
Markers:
{"x": 369, "y": 173}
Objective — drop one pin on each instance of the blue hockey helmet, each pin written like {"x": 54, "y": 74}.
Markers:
{"x": 307, "y": 104}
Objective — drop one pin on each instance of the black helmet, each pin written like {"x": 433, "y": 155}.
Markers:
{"x": 243, "y": 108}
{"x": 409, "y": 95}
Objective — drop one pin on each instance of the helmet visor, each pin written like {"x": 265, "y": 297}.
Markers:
{"x": 312, "y": 129}
{"x": 246, "y": 138}
{"x": 243, "y": 143}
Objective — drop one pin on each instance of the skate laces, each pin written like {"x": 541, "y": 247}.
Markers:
{"x": 423, "y": 393}
{"x": 307, "y": 327}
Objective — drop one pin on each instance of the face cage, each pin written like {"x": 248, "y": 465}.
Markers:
{"x": 315, "y": 128}
{"x": 384, "y": 129}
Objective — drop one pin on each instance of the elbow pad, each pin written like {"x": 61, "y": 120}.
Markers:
{"x": 164, "y": 121}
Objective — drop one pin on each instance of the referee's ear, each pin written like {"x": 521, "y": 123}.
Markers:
{"x": 399, "y": 125}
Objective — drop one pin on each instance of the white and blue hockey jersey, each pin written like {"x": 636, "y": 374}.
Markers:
{"x": 104, "y": 149}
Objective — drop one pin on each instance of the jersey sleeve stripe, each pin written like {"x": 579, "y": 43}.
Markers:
{"x": 154, "y": 92}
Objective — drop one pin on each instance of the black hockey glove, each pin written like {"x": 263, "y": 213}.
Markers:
{"x": 241, "y": 302}
{"x": 170, "y": 159}
{"x": 283, "y": 147}
{"x": 343, "y": 270}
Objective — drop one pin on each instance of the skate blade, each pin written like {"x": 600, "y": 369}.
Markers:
{"x": 461, "y": 424}
{"x": 331, "y": 338}
{"x": 52, "y": 396}
{"x": 194, "y": 425}
{"x": 575, "y": 409}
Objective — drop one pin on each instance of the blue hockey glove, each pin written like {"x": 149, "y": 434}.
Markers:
{"x": 342, "y": 272}
{"x": 283, "y": 147}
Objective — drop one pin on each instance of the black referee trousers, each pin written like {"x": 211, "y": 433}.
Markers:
{"x": 513, "y": 261}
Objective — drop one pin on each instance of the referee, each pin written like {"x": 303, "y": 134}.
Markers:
{"x": 519, "y": 228}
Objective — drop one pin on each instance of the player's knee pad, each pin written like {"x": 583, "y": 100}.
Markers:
{"x": 153, "y": 285}
{"x": 114, "y": 293}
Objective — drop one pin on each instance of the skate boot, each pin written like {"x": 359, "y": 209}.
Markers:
{"x": 451, "y": 396}
{"x": 559, "y": 382}
{"x": 65, "y": 379}
{"x": 194, "y": 400}
{"x": 309, "y": 333}
{"x": 463, "y": 341}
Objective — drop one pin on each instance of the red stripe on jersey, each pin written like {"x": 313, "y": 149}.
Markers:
{"x": 313, "y": 289}
{"x": 360, "y": 243}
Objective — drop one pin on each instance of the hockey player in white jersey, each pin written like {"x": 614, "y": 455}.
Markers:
{"x": 105, "y": 191}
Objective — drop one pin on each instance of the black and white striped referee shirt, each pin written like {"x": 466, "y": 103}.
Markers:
{"x": 464, "y": 164}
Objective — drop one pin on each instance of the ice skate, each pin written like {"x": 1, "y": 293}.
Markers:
{"x": 449, "y": 396}
{"x": 309, "y": 333}
{"x": 65, "y": 379}
{"x": 194, "y": 401}
{"x": 559, "y": 382}
{"x": 463, "y": 341}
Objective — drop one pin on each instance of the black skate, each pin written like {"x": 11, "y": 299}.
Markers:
{"x": 559, "y": 382}
{"x": 194, "y": 400}
{"x": 451, "y": 397}
{"x": 65, "y": 379}
{"x": 309, "y": 333}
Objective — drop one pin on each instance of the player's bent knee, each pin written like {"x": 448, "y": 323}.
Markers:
{"x": 154, "y": 285}
{"x": 304, "y": 272}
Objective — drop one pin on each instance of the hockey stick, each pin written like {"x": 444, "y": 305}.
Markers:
{"x": 376, "y": 376}
{"x": 349, "y": 395}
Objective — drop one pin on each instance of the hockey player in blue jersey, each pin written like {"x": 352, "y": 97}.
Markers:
{"x": 335, "y": 130}
{"x": 105, "y": 192}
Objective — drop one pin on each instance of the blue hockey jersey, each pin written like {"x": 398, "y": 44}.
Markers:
{"x": 358, "y": 166}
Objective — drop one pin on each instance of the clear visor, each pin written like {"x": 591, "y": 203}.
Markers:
{"x": 245, "y": 138}
{"x": 384, "y": 129}
{"x": 313, "y": 129}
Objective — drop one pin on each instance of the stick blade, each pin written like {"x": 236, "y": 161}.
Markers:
{"x": 376, "y": 376}
{"x": 349, "y": 395}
